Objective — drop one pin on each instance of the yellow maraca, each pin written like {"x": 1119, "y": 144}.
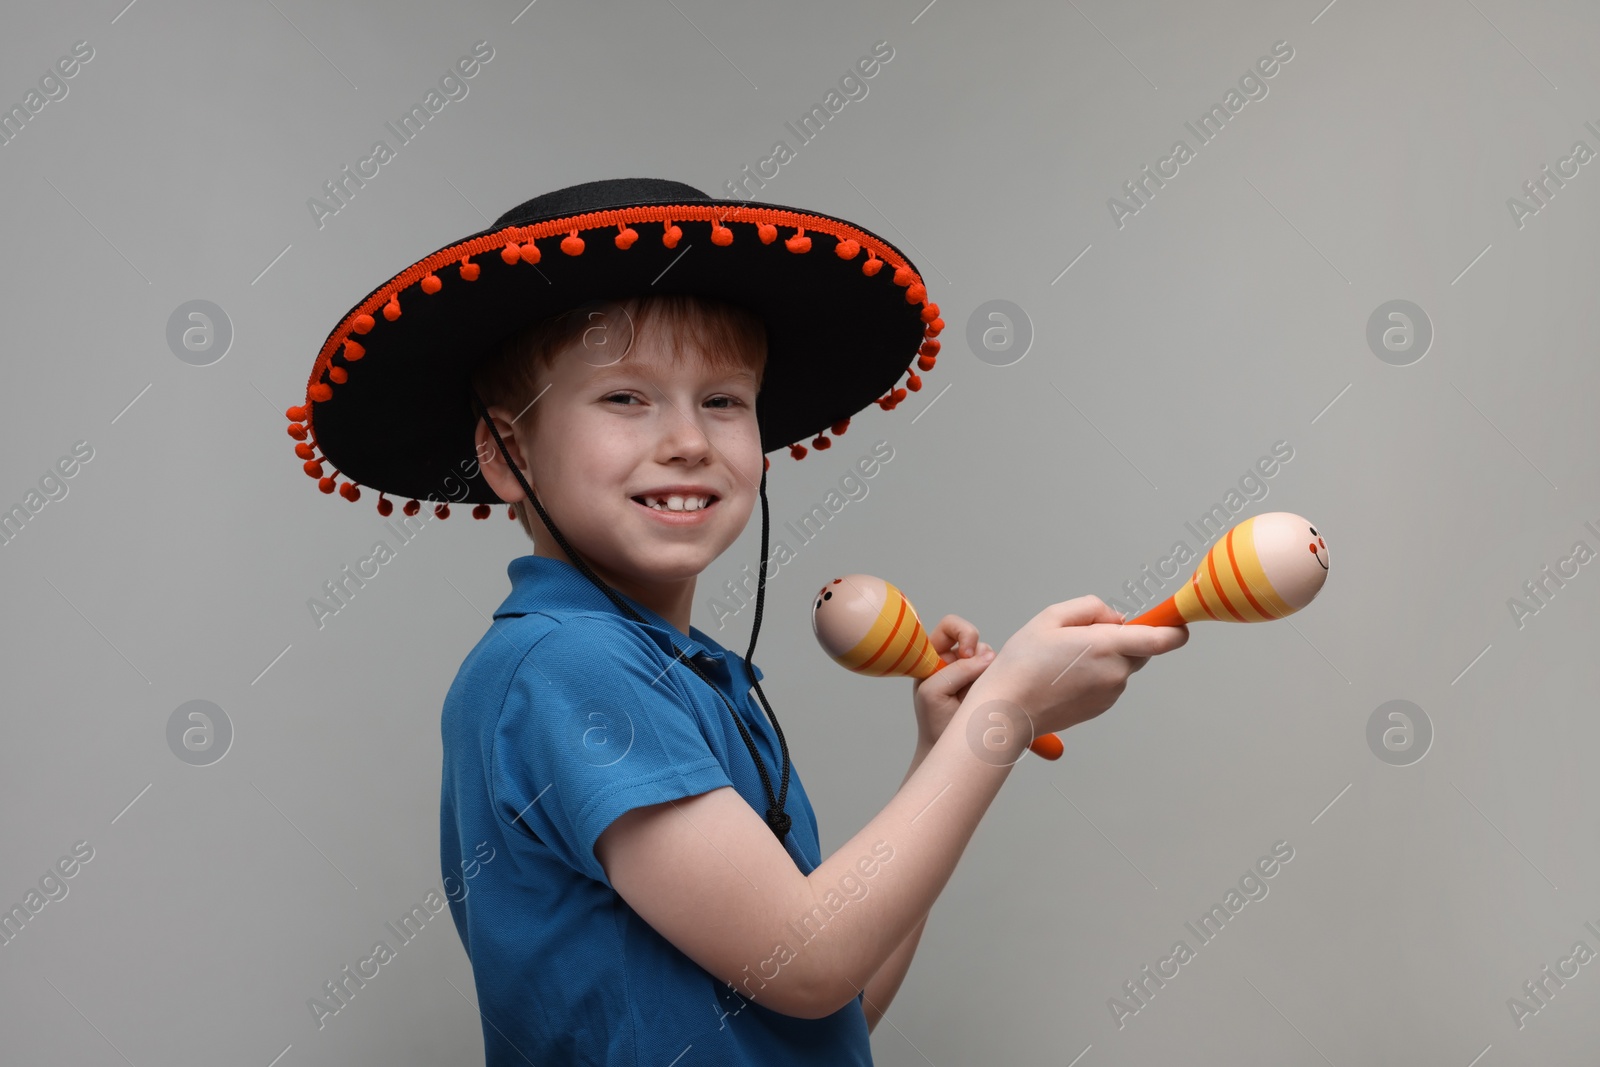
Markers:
{"x": 868, "y": 626}
{"x": 1268, "y": 566}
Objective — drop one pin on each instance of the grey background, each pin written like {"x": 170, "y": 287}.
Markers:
{"x": 1229, "y": 314}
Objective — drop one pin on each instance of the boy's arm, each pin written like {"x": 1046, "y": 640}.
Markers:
{"x": 886, "y": 983}
{"x": 883, "y": 985}
{"x": 708, "y": 875}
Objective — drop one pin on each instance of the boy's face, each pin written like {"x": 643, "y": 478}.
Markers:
{"x": 607, "y": 434}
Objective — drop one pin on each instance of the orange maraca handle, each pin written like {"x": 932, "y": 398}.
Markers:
{"x": 1047, "y": 746}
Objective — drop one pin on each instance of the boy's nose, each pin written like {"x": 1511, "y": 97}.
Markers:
{"x": 684, "y": 436}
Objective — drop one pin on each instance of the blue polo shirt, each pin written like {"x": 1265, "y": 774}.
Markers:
{"x": 564, "y": 716}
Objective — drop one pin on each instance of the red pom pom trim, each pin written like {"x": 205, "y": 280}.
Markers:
{"x": 411, "y": 507}
{"x": 482, "y": 511}
{"x": 520, "y": 243}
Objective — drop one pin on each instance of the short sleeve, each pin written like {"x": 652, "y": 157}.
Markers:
{"x": 593, "y": 726}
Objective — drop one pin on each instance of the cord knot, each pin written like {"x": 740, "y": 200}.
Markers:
{"x": 779, "y": 820}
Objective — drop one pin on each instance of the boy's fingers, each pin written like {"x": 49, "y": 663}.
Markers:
{"x": 960, "y": 673}
{"x": 1080, "y": 611}
{"x": 1144, "y": 641}
{"x": 955, "y": 634}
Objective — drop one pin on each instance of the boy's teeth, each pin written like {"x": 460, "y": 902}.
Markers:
{"x": 676, "y": 503}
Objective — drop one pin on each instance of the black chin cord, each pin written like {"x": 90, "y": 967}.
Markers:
{"x": 777, "y": 819}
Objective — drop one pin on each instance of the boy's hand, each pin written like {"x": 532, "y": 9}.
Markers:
{"x": 1072, "y": 661}
{"x": 937, "y": 697}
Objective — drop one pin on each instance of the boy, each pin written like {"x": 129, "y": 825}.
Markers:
{"x": 659, "y": 901}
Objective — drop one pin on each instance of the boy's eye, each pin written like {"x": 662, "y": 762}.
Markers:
{"x": 732, "y": 401}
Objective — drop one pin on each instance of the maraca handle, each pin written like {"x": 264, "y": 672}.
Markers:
{"x": 1046, "y": 746}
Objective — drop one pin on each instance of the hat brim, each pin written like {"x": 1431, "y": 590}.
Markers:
{"x": 387, "y": 401}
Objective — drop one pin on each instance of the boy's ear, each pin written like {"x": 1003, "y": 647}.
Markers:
{"x": 492, "y": 463}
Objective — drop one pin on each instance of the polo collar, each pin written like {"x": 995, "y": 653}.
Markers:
{"x": 540, "y": 583}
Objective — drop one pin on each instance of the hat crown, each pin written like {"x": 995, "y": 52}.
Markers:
{"x": 602, "y": 195}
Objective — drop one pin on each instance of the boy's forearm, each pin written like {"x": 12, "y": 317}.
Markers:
{"x": 911, "y": 847}
{"x": 886, "y": 982}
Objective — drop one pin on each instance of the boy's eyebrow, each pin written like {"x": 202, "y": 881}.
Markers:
{"x": 618, "y": 370}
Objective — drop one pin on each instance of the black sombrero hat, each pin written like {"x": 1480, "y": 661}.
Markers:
{"x": 387, "y": 403}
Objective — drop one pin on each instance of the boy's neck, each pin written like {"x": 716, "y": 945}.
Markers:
{"x": 671, "y": 600}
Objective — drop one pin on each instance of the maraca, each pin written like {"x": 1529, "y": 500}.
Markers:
{"x": 868, "y": 626}
{"x": 1266, "y": 567}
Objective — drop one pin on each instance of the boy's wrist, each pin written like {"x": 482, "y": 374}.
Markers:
{"x": 1000, "y": 733}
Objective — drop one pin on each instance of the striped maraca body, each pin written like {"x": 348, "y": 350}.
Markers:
{"x": 871, "y": 628}
{"x": 1265, "y": 568}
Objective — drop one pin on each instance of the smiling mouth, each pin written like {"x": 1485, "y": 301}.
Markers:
{"x": 662, "y": 507}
